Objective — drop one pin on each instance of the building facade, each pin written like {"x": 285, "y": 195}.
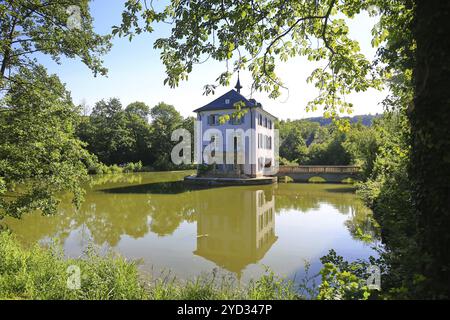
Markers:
{"x": 236, "y": 136}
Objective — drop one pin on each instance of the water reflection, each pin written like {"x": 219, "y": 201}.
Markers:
{"x": 234, "y": 237}
{"x": 235, "y": 226}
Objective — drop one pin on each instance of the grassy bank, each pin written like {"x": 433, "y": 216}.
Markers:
{"x": 40, "y": 273}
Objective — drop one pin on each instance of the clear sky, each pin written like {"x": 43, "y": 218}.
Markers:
{"x": 136, "y": 73}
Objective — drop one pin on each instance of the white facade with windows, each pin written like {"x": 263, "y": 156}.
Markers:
{"x": 243, "y": 146}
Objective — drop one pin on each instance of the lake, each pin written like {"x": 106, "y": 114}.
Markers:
{"x": 156, "y": 218}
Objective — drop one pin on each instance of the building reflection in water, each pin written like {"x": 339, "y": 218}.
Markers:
{"x": 238, "y": 236}
{"x": 146, "y": 215}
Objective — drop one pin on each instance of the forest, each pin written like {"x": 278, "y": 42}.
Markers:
{"x": 134, "y": 134}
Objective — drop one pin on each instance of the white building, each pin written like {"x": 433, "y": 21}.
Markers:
{"x": 241, "y": 146}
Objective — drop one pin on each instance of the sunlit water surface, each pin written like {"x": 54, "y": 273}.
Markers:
{"x": 156, "y": 218}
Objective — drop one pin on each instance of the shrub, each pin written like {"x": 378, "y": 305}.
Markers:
{"x": 133, "y": 167}
{"x": 343, "y": 280}
{"x": 100, "y": 168}
{"x": 203, "y": 169}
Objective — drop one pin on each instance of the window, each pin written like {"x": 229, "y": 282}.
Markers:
{"x": 270, "y": 124}
{"x": 227, "y": 101}
{"x": 265, "y": 122}
{"x": 213, "y": 119}
{"x": 260, "y": 199}
{"x": 214, "y": 143}
{"x": 236, "y": 120}
{"x": 260, "y": 140}
{"x": 260, "y": 120}
{"x": 267, "y": 142}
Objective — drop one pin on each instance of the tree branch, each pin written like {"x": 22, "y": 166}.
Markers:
{"x": 281, "y": 35}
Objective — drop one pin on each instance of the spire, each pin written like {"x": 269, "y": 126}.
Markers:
{"x": 238, "y": 86}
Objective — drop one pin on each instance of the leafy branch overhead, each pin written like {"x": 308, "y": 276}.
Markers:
{"x": 256, "y": 35}
{"x": 29, "y": 27}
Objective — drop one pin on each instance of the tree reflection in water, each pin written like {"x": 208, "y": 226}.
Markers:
{"x": 235, "y": 225}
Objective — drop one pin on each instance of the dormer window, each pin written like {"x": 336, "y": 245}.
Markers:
{"x": 227, "y": 101}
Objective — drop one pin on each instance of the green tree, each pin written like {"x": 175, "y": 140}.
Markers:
{"x": 293, "y": 147}
{"x": 362, "y": 144}
{"x": 29, "y": 27}
{"x": 430, "y": 148}
{"x": 387, "y": 191}
{"x": 139, "y": 109}
{"x": 137, "y": 122}
{"x": 108, "y": 134}
{"x": 165, "y": 119}
{"x": 40, "y": 156}
{"x": 331, "y": 151}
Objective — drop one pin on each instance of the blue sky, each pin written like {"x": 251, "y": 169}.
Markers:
{"x": 136, "y": 73}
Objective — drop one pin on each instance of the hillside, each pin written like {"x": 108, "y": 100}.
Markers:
{"x": 366, "y": 119}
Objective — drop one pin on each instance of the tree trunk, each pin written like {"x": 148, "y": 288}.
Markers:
{"x": 430, "y": 159}
{"x": 7, "y": 47}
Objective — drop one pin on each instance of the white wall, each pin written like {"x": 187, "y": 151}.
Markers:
{"x": 251, "y": 141}
{"x": 263, "y": 152}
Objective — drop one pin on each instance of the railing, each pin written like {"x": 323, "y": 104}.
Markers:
{"x": 318, "y": 169}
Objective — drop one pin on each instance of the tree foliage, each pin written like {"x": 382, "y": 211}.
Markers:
{"x": 308, "y": 143}
{"x": 107, "y": 133}
{"x": 256, "y": 35}
{"x": 137, "y": 133}
{"x": 29, "y": 27}
{"x": 39, "y": 153}
{"x": 165, "y": 119}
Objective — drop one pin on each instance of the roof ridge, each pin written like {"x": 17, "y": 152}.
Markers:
{"x": 233, "y": 96}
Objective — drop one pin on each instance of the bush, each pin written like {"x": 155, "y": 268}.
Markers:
{"x": 204, "y": 169}
{"x": 344, "y": 280}
{"x": 100, "y": 168}
{"x": 286, "y": 162}
{"x": 133, "y": 167}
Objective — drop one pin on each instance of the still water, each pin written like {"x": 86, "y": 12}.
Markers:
{"x": 156, "y": 218}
